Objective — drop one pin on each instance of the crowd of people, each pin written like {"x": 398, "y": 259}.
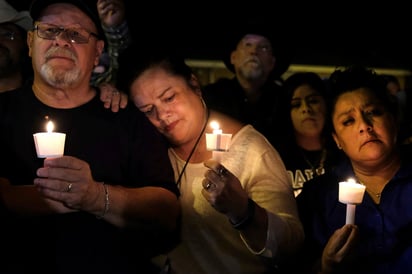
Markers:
{"x": 138, "y": 190}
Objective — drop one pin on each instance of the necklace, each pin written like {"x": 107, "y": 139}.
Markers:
{"x": 373, "y": 194}
{"x": 377, "y": 195}
{"x": 193, "y": 149}
{"x": 318, "y": 167}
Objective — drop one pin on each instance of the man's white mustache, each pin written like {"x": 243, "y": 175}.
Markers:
{"x": 53, "y": 52}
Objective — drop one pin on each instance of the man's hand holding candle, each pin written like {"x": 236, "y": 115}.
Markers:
{"x": 69, "y": 181}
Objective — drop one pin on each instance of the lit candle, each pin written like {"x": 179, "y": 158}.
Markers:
{"x": 351, "y": 193}
{"x": 218, "y": 142}
{"x": 49, "y": 144}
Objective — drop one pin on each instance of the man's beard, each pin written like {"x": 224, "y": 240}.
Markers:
{"x": 59, "y": 78}
{"x": 252, "y": 72}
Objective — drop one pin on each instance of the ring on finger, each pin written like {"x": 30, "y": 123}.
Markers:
{"x": 221, "y": 171}
{"x": 209, "y": 185}
{"x": 69, "y": 187}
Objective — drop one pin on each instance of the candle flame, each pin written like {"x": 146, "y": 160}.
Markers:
{"x": 50, "y": 126}
{"x": 214, "y": 125}
{"x": 352, "y": 181}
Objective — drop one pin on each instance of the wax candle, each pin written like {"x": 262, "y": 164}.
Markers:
{"x": 49, "y": 144}
{"x": 217, "y": 141}
{"x": 351, "y": 193}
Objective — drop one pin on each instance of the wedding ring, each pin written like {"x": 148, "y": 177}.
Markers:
{"x": 69, "y": 187}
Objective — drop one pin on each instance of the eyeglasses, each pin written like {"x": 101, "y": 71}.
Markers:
{"x": 75, "y": 35}
{"x": 7, "y": 35}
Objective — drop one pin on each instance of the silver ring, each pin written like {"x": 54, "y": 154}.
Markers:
{"x": 116, "y": 92}
{"x": 221, "y": 171}
{"x": 69, "y": 187}
{"x": 209, "y": 185}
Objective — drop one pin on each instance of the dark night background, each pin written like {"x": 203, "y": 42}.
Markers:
{"x": 332, "y": 34}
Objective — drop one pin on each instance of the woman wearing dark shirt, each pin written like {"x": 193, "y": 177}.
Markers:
{"x": 365, "y": 128}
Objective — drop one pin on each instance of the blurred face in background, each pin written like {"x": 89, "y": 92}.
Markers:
{"x": 364, "y": 129}
{"x": 308, "y": 112}
{"x": 12, "y": 49}
{"x": 393, "y": 87}
{"x": 253, "y": 57}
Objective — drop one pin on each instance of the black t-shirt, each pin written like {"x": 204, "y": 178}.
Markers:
{"x": 227, "y": 96}
{"x": 303, "y": 165}
{"x": 121, "y": 148}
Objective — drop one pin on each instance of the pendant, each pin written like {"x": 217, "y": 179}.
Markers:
{"x": 319, "y": 171}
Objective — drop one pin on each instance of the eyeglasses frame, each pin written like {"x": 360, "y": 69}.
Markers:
{"x": 63, "y": 30}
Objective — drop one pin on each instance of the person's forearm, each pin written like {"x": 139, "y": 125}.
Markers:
{"x": 134, "y": 207}
{"x": 25, "y": 200}
{"x": 255, "y": 232}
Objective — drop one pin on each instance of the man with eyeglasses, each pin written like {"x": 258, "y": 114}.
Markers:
{"x": 15, "y": 65}
{"x": 110, "y": 203}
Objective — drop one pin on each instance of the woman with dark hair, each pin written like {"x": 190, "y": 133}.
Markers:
{"x": 307, "y": 147}
{"x": 238, "y": 214}
{"x": 365, "y": 128}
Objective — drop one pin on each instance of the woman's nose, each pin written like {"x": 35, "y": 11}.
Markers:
{"x": 305, "y": 107}
{"x": 163, "y": 113}
{"x": 365, "y": 125}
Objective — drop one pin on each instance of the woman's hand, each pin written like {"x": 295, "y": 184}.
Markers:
{"x": 338, "y": 248}
{"x": 224, "y": 191}
{"x": 112, "y": 98}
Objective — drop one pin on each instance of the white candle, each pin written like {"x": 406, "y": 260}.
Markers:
{"x": 350, "y": 213}
{"x": 351, "y": 193}
{"x": 217, "y": 141}
{"x": 49, "y": 144}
